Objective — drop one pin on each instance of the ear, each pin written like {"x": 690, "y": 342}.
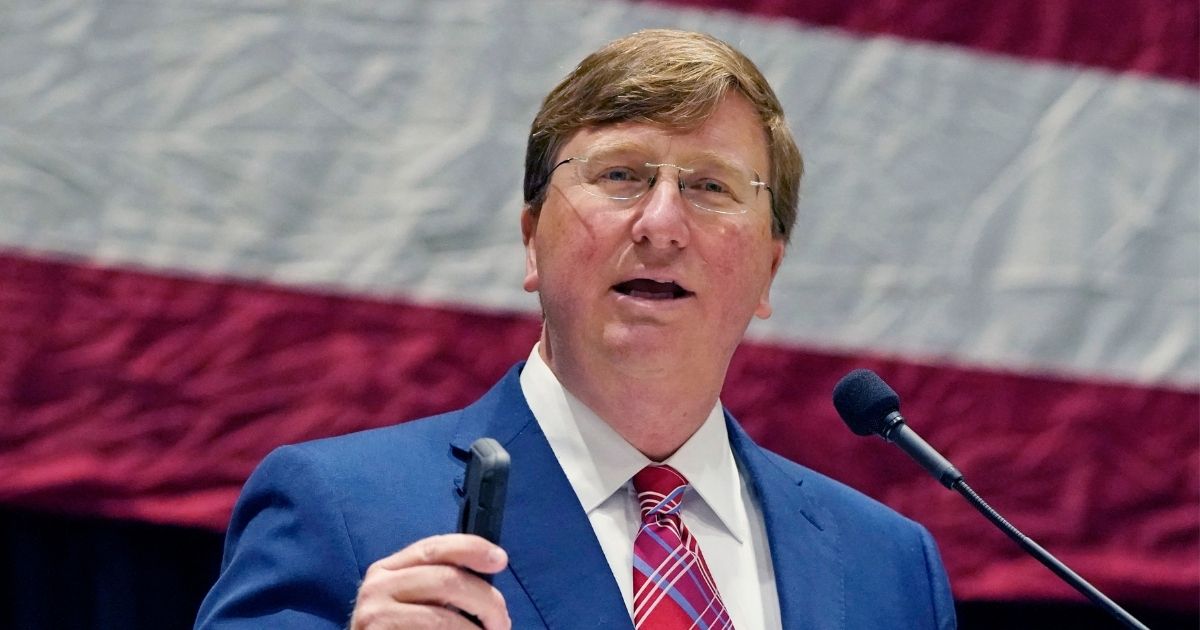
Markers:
{"x": 529, "y": 221}
{"x": 764, "y": 301}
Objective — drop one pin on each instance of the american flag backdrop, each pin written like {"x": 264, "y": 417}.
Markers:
{"x": 227, "y": 225}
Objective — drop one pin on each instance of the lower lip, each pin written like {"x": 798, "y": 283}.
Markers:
{"x": 654, "y": 303}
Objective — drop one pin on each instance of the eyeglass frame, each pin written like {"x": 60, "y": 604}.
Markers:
{"x": 757, "y": 183}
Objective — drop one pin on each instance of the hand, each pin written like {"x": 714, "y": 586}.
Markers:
{"x": 413, "y": 587}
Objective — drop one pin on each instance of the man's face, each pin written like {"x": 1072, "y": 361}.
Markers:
{"x": 653, "y": 284}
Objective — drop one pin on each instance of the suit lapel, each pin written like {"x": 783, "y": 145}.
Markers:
{"x": 809, "y": 575}
{"x": 553, "y": 552}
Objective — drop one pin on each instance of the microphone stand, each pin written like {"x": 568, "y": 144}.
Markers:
{"x": 896, "y": 431}
{"x": 857, "y": 398}
{"x": 1046, "y": 558}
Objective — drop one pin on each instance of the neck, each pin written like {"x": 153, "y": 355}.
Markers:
{"x": 655, "y": 408}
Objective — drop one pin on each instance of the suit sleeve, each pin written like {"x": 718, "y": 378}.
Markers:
{"x": 288, "y": 559}
{"x": 939, "y": 585}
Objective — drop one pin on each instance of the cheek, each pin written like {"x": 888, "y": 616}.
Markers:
{"x": 739, "y": 250}
{"x": 569, "y": 251}
{"x": 569, "y": 240}
{"x": 742, "y": 263}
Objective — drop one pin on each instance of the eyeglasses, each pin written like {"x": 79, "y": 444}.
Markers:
{"x": 625, "y": 175}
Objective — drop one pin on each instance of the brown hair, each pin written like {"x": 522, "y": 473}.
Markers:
{"x": 664, "y": 77}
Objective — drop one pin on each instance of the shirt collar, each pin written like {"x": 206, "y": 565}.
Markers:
{"x": 598, "y": 461}
{"x": 707, "y": 462}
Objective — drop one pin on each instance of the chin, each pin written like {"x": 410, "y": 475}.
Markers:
{"x": 647, "y": 344}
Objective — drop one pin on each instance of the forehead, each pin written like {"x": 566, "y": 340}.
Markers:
{"x": 733, "y": 131}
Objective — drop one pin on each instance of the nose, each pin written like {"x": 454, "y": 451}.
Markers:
{"x": 662, "y": 216}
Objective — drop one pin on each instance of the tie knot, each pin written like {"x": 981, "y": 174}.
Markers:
{"x": 659, "y": 489}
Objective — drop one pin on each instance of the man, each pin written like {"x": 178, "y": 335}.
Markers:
{"x": 661, "y": 186}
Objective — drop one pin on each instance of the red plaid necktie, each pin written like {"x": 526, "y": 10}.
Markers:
{"x": 672, "y": 587}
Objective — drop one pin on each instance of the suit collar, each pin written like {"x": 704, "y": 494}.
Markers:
{"x": 553, "y": 552}
{"x": 544, "y": 523}
{"x": 599, "y": 462}
{"x": 500, "y": 414}
{"x": 595, "y": 458}
{"x": 809, "y": 576}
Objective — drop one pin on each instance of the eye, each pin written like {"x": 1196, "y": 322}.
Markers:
{"x": 615, "y": 179}
{"x": 618, "y": 174}
{"x": 710, "y": 186}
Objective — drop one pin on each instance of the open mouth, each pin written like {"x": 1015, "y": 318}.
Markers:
{"x": 648, "y": 289}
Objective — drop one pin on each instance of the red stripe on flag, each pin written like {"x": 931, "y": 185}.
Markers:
{"x": 133, "y": 395}
{"x": 130, "y": 394}
{"x": 1159, "y": 38}
{"x": 1104, "y": 475}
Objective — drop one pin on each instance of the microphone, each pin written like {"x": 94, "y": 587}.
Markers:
{"x": 869, "y": 406}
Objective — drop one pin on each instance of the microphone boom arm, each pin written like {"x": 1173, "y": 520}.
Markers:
{"x": 896, "y": 431}
{"x": 1047, "y": 559}
{"x": 869, "y": 406}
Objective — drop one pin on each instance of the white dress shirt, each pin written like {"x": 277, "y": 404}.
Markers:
{"x": 719, "y": 508}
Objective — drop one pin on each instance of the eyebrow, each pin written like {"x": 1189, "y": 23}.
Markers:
{"x": 711, "y": 156}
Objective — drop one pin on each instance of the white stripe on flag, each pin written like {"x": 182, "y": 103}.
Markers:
{"x": 958, "y": 206}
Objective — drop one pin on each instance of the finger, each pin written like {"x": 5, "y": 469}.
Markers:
{"x": 464, "y": 550}
{"x": 440, "y": 585}
{"x": 408, "y": 616}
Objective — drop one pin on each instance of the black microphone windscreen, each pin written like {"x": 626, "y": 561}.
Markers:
{"x": 863, "y": 401}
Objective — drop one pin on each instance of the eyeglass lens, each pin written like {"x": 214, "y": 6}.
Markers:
{"x": 626, "y": 175}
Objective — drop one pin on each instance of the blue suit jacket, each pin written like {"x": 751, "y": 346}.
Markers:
{"x": 314, "y": 516}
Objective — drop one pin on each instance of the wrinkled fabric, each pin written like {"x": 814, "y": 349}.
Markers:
{"x": 226, "y": 226}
